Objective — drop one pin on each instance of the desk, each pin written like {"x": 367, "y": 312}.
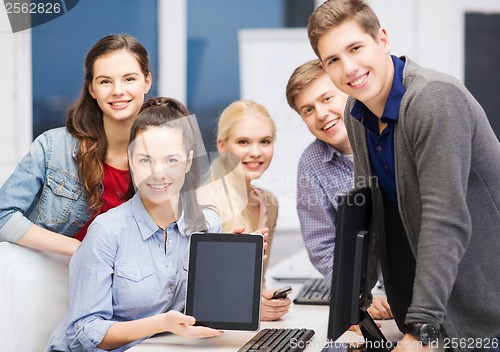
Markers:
{"x": 300, "y": 316}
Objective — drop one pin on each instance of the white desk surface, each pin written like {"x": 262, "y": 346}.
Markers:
{"x": 300, "y": 316}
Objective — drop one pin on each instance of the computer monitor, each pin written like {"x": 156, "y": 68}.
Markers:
{"x": 349, "y": 288}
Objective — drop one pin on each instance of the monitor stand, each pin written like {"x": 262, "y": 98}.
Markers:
{"x": 375, "y": 340}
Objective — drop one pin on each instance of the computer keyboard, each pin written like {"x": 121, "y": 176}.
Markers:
{"x": 314, "y": 291}
{"x": 278, "y": 340}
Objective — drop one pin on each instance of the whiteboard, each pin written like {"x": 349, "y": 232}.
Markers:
{"x": 267, "y": 59}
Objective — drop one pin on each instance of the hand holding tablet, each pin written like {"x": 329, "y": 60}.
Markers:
{"x": 264, "y": 231}
{"x": 184, "y": 325}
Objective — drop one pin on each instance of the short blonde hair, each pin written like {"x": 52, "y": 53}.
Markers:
{"x": 301, "y": 77}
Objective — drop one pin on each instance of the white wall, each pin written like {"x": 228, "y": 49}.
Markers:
{"x": 424, "y": 30}
{"x": 430, "y": 32}
{"x": 172, "y": 49}
{"x": 15, "y": 93}
{"x": 267, "y": 59}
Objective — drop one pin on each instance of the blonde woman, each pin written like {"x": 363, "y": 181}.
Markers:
{"x": 245, "y": 141}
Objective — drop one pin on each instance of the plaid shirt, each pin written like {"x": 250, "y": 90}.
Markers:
{"x": 323, "y": 172}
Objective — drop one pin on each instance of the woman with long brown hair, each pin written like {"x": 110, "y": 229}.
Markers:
{"x": 71, "y": 174}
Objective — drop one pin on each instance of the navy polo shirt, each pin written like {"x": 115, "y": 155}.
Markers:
{"x": 381, "y": 145}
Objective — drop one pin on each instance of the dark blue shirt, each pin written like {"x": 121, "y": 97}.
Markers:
{"x": 381, "y": 145}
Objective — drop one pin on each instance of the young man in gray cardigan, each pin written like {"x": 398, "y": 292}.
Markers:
{"x": 428, "y": 143}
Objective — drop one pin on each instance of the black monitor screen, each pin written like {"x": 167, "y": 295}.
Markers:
{"x": 350, "y": 259}
{"x": 350, "y": 287}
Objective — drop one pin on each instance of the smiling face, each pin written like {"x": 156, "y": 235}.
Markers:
{"x": 252, "y": 140}
{"x": 118, "y": 85}
{"x": 321, "y": 106}
{"x": 159, "y": 163}
{"x": 358, "y": 65}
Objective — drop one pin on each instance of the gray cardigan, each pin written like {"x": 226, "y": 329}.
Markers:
{"x": 448, "y": 183}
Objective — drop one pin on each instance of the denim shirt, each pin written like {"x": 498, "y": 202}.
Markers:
{"x": 44, "y": 189}
{"x": 122, "y": 272}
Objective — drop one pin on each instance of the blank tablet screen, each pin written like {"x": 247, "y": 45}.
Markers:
{"x": 224, "y": 280}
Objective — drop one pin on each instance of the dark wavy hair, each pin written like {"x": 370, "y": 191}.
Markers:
{"x": 171, "y": 113}
{"x": 84, "y": 118}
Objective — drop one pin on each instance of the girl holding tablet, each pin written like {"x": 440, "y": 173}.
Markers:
{"x": 128, "y": 278}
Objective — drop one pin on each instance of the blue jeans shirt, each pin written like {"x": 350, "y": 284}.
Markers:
{"x": 121, "y": 273}
{"x": 44, "y": 189}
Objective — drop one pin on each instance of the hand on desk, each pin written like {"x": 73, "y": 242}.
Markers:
{"x": 182, "y": 325}
{"x": 273, "y": 309}
{"x": 380, "y": 308}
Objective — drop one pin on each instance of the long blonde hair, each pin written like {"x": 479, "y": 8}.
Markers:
{"x": 225, "y": 186}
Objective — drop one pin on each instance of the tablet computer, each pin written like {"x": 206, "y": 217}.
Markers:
{"x": 225, "y": 280}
